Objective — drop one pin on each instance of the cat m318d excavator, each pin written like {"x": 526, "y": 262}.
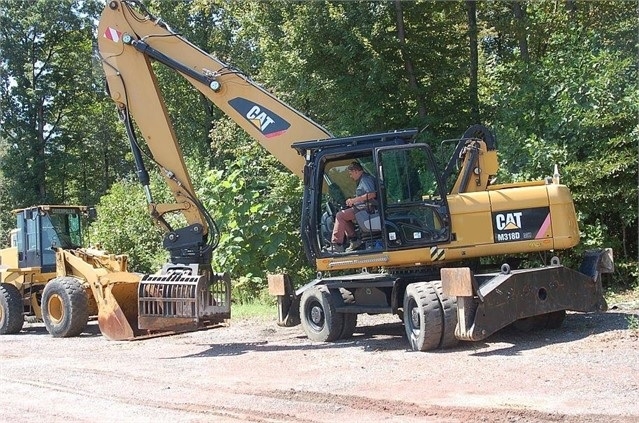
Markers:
{"x": 423, "y": 237}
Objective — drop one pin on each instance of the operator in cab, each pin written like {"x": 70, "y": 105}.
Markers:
{"x": 365, "y": 193}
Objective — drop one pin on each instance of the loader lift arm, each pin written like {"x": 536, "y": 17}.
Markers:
{"x": 130, "y": 38}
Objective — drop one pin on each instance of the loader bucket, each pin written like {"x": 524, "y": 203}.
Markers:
{"x": 183, "y": 301}
{"x": 118, "y": 309}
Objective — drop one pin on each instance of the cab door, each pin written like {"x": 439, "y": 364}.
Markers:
{"x": 29, "y": 249}
{"x": 413, "y": 202}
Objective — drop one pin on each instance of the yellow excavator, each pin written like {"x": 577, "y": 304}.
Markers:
{"x": 424, "y": 238}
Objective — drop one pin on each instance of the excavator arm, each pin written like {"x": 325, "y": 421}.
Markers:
{"x": 186, "y": 293}
{"x": 130, "y": 38}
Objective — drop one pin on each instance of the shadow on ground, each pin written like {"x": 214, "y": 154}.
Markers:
{"x": 391, "y": 336}
{"x": 92, "y": 329}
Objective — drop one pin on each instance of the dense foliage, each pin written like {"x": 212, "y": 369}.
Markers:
{"x": 557, "y": 80}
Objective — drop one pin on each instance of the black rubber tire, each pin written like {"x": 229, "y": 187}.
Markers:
{"x": 350, "y": 319}
{"x": 552, "y": 320}
{"x": 528, "y": 324}
{"x": 423, "y": 316}
{"x": 555, "y": 319}
{"x": 319, "y": 319}
{"x": 350, "y": 323}
{"x": 449, "y": 312}
{"x": 11, "y": 308}
{"x": 533, "y": 323}
{"x": 65, "y": 308}
{"x": 483, "y": 133}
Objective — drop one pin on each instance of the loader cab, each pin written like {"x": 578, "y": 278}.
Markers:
{"x": 41, "y": 230}
{"x": 13, "y": 238}
{"x": 410, "y": 208}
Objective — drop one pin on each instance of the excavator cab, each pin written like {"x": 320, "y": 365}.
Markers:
{"x": 410, "y": 208}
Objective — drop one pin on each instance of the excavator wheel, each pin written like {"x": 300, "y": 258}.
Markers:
{"x": 318, "y": 316}
{"x": 65, "y": 308}
{"x": 551, "y": 320}
{"x": 11, "y": 319}
{"x": 423, "y": 316}
{"x": 449, "y": 311}
{"x": 555, "y": 319}
{"x": 350, "y": 319}
{"x": 483, "y": 133}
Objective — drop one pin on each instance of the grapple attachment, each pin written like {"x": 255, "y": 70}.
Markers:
{"x": 181, "y": 299}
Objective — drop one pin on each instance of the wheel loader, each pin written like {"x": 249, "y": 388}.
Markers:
{"x": 425, "y": 238}
{"x": 46, "y": 275}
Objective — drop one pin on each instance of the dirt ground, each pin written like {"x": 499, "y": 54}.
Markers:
{"x": 253, "y": 370}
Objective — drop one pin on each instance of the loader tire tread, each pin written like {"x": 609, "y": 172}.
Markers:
{"x": 11, "y": 319}
{"x": 65, "y": 307}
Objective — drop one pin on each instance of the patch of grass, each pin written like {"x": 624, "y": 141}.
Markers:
{"x": 622, "y": 296}
{"x": 253, "y": 310}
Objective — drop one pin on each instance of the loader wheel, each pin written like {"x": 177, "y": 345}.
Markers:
{"x": 423, "y": 316}
{"x": 65, "y": 308}
{"x": 11, "y": 309}
{"x": 449, "y": 311}
{"x": 319, "y": 319}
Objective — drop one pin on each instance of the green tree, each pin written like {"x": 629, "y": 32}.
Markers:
{"x": 62, "y": 146}
{"x": 572, "y": 101}
{"x": 257, "y": 205}
{"x": 362, "y": 67}
{"x": 6, "y": 220}
{"x": 125, "y": 226}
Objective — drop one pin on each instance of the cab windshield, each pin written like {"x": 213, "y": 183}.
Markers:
{"x": 61, "y": 231}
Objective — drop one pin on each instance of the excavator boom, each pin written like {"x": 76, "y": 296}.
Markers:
{"x": 186, "y": 293}
{"x": 130, "y": 37}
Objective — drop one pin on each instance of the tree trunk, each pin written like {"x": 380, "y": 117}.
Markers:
{"x": 571, "y": 7}
{"x": 408, "y": 64}
{"x": 40, "y": 161}
{"x": 471, "y": 6}
{"x": 520, "y": 16}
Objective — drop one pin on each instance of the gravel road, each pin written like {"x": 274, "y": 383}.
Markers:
{"x": 253, "y": 370}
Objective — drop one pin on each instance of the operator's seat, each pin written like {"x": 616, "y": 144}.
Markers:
{"x": 369, "y": 223}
